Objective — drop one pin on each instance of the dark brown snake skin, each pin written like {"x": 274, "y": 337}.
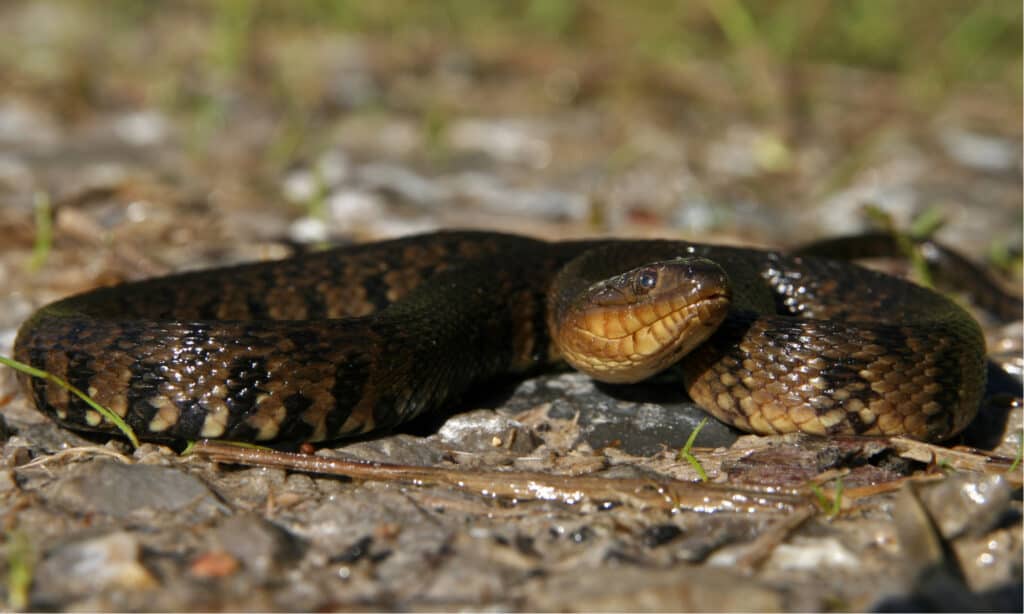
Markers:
{"x": 361, "y": 338}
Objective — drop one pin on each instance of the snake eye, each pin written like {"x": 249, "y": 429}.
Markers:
{"x": 646, "y": 281}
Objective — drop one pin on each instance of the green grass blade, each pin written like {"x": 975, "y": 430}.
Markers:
{"x": 103, "y": 411}
{"x": 684, "y": 452}
{"x": 830, "y": 506}
{"x": 1016, "y": 459}
{"x": 21, "y": 561}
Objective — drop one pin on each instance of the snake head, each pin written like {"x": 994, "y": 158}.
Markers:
{"x": 635, "y": 324}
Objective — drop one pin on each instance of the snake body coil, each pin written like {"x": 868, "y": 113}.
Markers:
{"x": 361, "y": 338}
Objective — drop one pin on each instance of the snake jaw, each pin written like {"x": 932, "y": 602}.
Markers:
{"x": 636, "y": 324}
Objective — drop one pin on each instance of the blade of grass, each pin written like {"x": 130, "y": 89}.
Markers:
{"x": 926, "y": 224}
{"x": 922, "y": 228}
{"x": 1017, "y": 458}
{"x": 21, "y": 562}
{"x": 685, "y": 454}
{"x": 831, "y": 506}
{"x": 103, "y": 411}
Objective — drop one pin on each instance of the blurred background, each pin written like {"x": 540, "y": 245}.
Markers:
{"x": 151, "y": 136}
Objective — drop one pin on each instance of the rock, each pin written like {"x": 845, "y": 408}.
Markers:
{"x": 969, "y": 504}
{"x": 640, "y": 419}
{"x": 486, "y": 431}
{"x": 120, "y": 490}
{"x": 97, "y": 564}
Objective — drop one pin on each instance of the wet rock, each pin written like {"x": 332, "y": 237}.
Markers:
{"x": 967, "y": 504}
{"x": 640, "y": 419}
{"x": 814, "y": 554}
{"x": 48, "y": 437}
{"x": 120, "y": 490}
{"x": 987, "y": 561}
{"x": 250, "y": 487}
{"x": 486, "y": 431}
{"x": 933, "y": 578}
{"x": 399, "y": 449}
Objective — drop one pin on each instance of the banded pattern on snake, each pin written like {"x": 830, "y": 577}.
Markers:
{"x": 361, "y": 338}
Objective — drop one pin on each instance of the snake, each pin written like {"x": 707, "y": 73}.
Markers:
{"x": 362, "y": 338}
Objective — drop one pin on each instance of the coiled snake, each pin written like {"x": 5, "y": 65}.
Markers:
{"x": 343, "y": 342}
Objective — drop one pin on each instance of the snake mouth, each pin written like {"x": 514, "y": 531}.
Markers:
{"x": 647, "y": 350}
{"x": 639, "y": 323}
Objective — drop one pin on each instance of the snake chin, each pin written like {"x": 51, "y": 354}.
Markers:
{"x": 669, "y": 332}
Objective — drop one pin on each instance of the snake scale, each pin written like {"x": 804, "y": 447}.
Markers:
{"x": 361, "y": 338}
